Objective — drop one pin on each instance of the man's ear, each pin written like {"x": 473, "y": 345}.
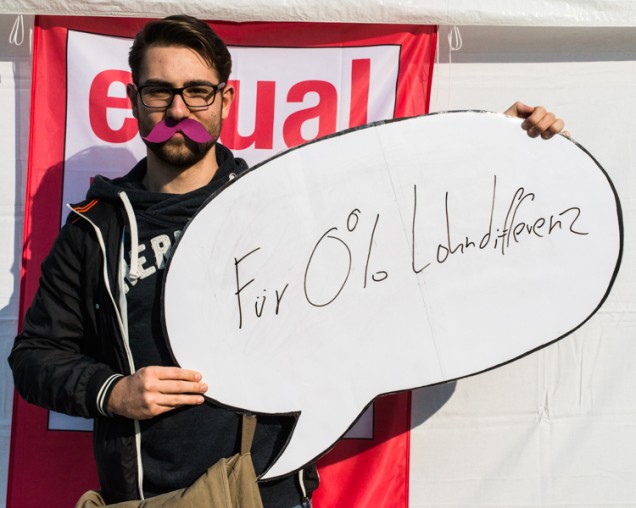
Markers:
{"x": 227, "y": 96}
{"x": 132, "y": 93}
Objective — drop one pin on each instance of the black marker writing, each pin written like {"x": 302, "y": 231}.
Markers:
{"x": 416, "y": 270}
{"x": 279, "y": 297}
{"x": 331, "y": 262}
{"x": 502, "y": 238}
{"x": 313, "y": 252}
{"x": 378, "y": 276}
{"x": 259, "y": 312}
{"x": 240, "y": 288}
{"x": 260, "y": 301}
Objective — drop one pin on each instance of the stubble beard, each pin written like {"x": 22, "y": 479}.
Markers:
{"x": 182, "y": 153}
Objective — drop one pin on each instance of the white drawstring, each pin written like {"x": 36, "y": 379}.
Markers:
{"x": 454, "y": 40}
{"x": 133, "y": 272}
{"x": 16, "y": 36}
{"x": 454, "y": 44}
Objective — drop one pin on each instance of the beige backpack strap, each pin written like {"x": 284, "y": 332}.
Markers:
{"x": 247, "y": 433}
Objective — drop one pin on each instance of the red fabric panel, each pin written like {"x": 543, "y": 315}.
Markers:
{"x": 373, "y": 473}
{"x": 43, "y": 464}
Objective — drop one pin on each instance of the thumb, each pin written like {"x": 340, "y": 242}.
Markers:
{"x": 519, "y": 110}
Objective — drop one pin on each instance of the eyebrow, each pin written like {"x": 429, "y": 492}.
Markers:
{"x": 195, "y": 82}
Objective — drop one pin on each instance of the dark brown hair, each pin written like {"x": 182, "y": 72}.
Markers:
{"x": 186, "y": 31}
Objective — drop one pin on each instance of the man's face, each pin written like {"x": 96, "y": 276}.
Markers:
{"x": 176, "y": 67}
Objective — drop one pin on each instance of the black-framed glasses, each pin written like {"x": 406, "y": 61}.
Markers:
{"x": 194, "y": 96}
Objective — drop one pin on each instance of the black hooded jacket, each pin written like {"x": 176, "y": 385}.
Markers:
{"x": 77, "y": 342}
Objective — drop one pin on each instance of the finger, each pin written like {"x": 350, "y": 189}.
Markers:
{"x": 547, "y": 126}
{"x": 519, "y": 110}
{"x": 160, "y": 403}
{"x": 541, "y": 125}
{"x": 176, "y": 387}
{"x": 535, "y": 119}
{"x": 553, "y": 129}
{"x": 175, "y": 401}
{"x": 174, "y": 373}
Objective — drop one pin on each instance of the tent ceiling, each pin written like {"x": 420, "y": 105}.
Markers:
{"x": 488, "y": 44}
{"x": 572, "y": 13}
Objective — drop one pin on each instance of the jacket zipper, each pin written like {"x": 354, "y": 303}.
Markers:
{"x": 124, "y": 333}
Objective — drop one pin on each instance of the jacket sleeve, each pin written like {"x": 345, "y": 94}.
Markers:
{"x": 53, "y": 362}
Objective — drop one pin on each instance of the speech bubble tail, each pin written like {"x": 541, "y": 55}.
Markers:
{"x": 294, "y": 455}
{"x": 313, "y": 435}
{"x": 291, "y": 458}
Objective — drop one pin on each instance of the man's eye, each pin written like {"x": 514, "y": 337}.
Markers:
{"x": 156, "y": 91}
{"x": 199, "y": 91}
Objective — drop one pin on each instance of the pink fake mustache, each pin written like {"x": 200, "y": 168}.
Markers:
{"x": 165, "y": 129}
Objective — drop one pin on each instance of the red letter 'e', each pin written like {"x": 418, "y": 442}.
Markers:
{"x": 99, "y": 102}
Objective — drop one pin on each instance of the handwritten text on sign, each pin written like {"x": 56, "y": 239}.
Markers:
{"x": 387, "y": 258}
{"x": 495, "y": 239}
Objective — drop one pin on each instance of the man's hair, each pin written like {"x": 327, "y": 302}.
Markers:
{"x": 185, "y": 31}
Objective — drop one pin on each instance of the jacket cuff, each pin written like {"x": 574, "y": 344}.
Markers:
{"x": 101, "y": 393}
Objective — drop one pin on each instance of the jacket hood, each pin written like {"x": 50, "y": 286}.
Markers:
{"x": 173, "y": 206}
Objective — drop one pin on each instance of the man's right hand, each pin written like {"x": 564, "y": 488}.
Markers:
{"x": 152, "y": 391}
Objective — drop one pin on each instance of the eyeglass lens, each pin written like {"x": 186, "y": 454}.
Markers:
{"x": 199, "y": 96}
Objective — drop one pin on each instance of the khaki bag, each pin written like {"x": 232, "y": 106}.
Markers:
{"x": 230, "y": 483}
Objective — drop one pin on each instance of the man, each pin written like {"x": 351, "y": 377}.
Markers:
{"x": 92, "y": 343}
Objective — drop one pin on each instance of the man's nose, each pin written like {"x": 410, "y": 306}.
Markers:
{"x": 178, "y": 108}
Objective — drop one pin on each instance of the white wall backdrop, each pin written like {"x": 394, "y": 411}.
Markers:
{"x": 558, "y": 427}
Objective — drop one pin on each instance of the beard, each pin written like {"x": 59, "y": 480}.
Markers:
{"x": 180, "y": 153}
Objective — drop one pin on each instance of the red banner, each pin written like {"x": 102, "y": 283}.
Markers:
{"x": 295, "y": 82}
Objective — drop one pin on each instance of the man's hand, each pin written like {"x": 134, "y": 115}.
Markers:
{"x": 538, "y": 121}
{"x": 152, "y": 391}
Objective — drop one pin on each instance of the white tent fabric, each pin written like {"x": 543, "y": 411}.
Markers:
{"x": 15, "y": 96}
{"x": 432, "y": 12}
{"x": 556, "y": 428}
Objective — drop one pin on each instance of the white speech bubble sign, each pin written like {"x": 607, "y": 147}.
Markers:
{"x": 385, "y": 258}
